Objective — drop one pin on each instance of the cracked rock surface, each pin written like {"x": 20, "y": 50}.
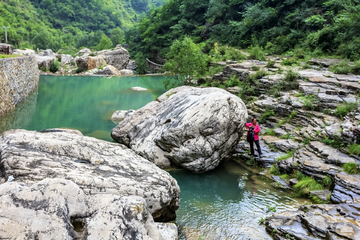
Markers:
{"x": 59, "y": 209}
{"x": 317, "y": 222}
{"x": 97, "y": 167}
{"x": 195, "y": 128}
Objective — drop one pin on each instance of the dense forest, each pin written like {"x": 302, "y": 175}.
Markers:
{"x": 63, "y": 24}
{"x": 325, "y": 27}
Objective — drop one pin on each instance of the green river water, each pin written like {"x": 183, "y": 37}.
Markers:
{"x": 221, "y": 204}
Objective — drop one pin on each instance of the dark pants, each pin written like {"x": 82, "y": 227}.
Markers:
{"x": 252, "y": 147}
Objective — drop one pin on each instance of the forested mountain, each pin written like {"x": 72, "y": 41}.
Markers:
{"x": 314, "y": 26}
{"x": 61, "y": 23}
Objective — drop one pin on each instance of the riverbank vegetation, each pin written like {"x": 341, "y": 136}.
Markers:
{"x": 298, "y": 29}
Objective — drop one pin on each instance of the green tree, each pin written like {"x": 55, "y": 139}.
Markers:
{"x": 117, "y": 36}
{"x": 186, "y": 59}
{"x": 105, "y": 43}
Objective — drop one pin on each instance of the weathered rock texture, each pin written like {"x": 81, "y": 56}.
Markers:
{"x": 317, "y": 222}
{"x": 119, "y": 58}
{"x": 98, "y": 167}
{"x": 19, "y": 77}
{"x": 192, "y": 127}
{"x": 59, "y": 209}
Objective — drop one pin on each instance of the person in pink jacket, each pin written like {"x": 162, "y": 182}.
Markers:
{"x": 253, "y": 130}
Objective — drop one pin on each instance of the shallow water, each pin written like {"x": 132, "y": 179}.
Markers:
{"x": 222, "y": 204}
{"x": 83, "y": 103}
{"x": 227, "y": 203}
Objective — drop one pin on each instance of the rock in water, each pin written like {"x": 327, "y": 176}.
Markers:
{"x": 139, "y": 89}
{"x": 192, "y": 127}
{"x": 97, "y": 166}
{"x": 59, "y": 209}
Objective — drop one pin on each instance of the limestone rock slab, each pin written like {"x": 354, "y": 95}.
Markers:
{"x": 59, "y": 209}
{"x": 97, "y": 166}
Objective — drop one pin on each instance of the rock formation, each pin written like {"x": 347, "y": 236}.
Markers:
{"x": 59, "y": 209}
{"x": 97, "y": 167}
{"x": 195, "y": 128}
{"x": 316, "y": 222}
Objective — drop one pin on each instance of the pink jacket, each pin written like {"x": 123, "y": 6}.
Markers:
{"x": 256, "y": 130}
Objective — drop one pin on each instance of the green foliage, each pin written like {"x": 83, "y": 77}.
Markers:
{"x": 285, "y": 177}
{"x": 308, "y": 101}
{"x": 269, "y": 132}
{"x": 270, "y": 64}
{"x": 287, "y": 136}
{"x": 58, "y": 24}
{"x": 335, "y": 142}
{"x": 289, "y": 62}
{"x": 274, "y": 170}
{"x": 271, "y": 208}
{"x": 54, "y": 66}
{"x": 351, "y": 168}
{"x": 265, "y": 116}
{"x": 345, "y": 108}
{"x": 305, "y": 185}
{"x": 105, "y": 43}
{"x": 327, "y": 181}
{"x": 257, "y": 53}
{"x": 186, "y": 59}
{"x": 255, "y": 68}
{"x": 117, "y": 36}
{"x": 342, "y": 67}
{"x": 285, "y": 156}
{"x": 316, "y": 200}
{"x": 354, "y": 149}
{"x": 291, "y": 76}
{"x": 299, "y": 175}
{"x": 79, "y": 70}
{"x": 262, "y": 221}
{"x": 234, "y": 81}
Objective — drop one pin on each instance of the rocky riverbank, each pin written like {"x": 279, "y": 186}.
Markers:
{"x": 111, "y": 62}
{"x": 80, "y": 187}
{"x": 310, "y": 124}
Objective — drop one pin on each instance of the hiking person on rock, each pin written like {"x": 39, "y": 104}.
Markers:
{"x": 253, "y": 136}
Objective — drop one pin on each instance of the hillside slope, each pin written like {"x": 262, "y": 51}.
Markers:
{"x": 325, "y": 26}
{"x": 60, "y": 23}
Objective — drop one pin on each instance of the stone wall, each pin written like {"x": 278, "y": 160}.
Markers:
{"x": 19, "y": 77}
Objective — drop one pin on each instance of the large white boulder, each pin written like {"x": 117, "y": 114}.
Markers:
{"x": 195, "y": 128}
{"x": 97, "y": 167}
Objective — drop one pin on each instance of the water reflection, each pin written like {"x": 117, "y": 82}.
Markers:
{"x": 83, "y": 103}
{"x": 226, "y": 203}
{"x": 21, "y": 116}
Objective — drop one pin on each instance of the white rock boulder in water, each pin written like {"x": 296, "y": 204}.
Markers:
{"x": 139, "y": 89}
{"x": 97, "y": 167}
{"x": 195, "y": 128}
{"x": 59, "y": 209}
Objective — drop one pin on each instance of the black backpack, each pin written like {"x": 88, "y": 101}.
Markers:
{"x": 250, "y": 137}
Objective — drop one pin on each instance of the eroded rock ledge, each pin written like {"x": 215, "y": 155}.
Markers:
{"x": 195, "y": 128}
{"x": 59, "y": 209}
{"x": 316, "y": 222}
{"x": 97, "y": 167}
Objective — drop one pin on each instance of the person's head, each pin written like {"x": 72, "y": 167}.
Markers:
{"x": 253, "y": 121}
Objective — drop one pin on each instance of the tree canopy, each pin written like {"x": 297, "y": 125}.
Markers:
{"x": 326, "y": 26}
